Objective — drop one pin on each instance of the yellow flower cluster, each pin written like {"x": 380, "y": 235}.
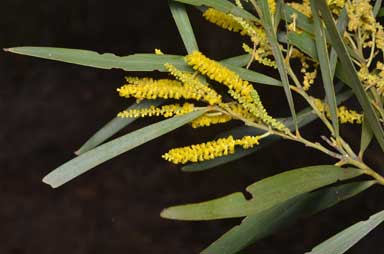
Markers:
{"x": 371, "y": 79}
{"x": 147, "y": 88}
{"x": 210, "y": 119}
{"x": 166, "y": 111}
{"x": 239, "y": 89}
{"x": 192, "y": 83}
{"x": 159, "y": 52}
{"x": 223, "y": 20}
{"x": 345, "y": 115}
{"x": 360, "y": 16}
{"x": 209, "y": 150}
{"x": 305, "y": 7}
{"x": 272, "y": 6}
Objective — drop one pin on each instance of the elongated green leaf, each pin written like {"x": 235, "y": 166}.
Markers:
{"x": 344, "y": 240}
{"x": 136, "y": 62}
{"x": 380, "y": 13}
{"x": 366, "y": 137}
{"x": 304, "y": 117}
{"x": 107, "y": 151}
{"x": 266, "y": 194}
{"x": 113, "y": 127}
{"x": 325, "y": 67}
{"x": 341, "y": 26}
{"x": 184, "y": 26}
{"x": 376, "y": 8}
{"x": 221, "y": 5}
{"x": 349, "y": 69}
{"x": 260, "y": 225}
{"x": 278, "y": 55}
{"x": 240, "y": 61}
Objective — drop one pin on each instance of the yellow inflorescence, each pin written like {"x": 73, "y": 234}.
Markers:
{"x": 239, "y": 89}
{"x": 210, "y": 119}
{"x": 223, "y": 20}
{"x": 209, "y": 150}
{"x": 272, "y": 6}
{"x": 360, "y": 16}
{"x": 260, "y": 55}
{"x": 192, "y": 83}
{"x": 147, "y": 88}
{"x": 166, "y": 111}
{"x": 345, "y": 115}
{"x": 373, "y": 79}
{"x": 305, "y": 7}
{"x": 159, "y": 52}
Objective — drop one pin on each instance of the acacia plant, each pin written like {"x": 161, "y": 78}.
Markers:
{"x": 337, "y": 43}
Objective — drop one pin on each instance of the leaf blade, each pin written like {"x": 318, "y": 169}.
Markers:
{"x": 113, "y": 127}
{"x": 184, "y": 26}
{"x": 266, "y": 193}
{"x": 260, "y": 225}
{"x": 107, "y": 151}
{"x": 344, "y": 240}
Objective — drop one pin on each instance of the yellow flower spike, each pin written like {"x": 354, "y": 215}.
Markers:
{"x": 223, "y": 20}
{"x": 260, "y": 55}
{"x": 379, "y": 36}
{"x": 344, "y": 114}
{"x": 210, "y": 150}
{"x": 239, "y": 89}
{"x": 166, "y": 111}
{"x": 210, "y": 119}
{"x": 152, "y": 89}
{"x": 304, "y": 7}
{"x": 192, "y": 83}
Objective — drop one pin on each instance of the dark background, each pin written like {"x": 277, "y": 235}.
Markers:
{"x": 49, "y": 109}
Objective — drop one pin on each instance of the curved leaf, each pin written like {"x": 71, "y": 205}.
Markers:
{"x": 113, "y": 127}
{"x": 344, "y": 240}
{"x": 260, "y": 225}
{"x": 184, "y": 26}
{"x": 107, "y": 151}
{"x": 266, "y": 194}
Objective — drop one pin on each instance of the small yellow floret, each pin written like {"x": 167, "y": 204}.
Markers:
{"x": 209, "y": 150}
{"x": 166, "y": 111}
{"x": 158, "y": 52}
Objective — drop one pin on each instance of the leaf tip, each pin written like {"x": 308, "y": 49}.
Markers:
{"x": 167, "y": 214}
{"x": 48, "y": 180}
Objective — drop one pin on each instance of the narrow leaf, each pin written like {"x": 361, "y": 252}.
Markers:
{"x": 266, "y": 194}
{"x": 366, "y": 137}
{"x": 351, "y": 74}
{"x": 136, "y": 62}
{"x": 113, "y": 127}
{"x": 184, "y": 26}
{"x": 325, "y": 67}
{"x": 376, "y": 8}
{"x": 260, "y": 225}
{"x": 344, "y": 240}
{"x": 107, "y": 151}
{"x": 278, "y": 55}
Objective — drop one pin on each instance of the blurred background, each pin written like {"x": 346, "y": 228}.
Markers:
{"x": 49, "y": 109}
